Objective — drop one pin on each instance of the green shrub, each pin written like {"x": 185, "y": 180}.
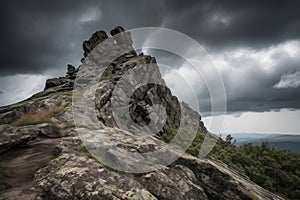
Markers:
{"x": 276, "y": 170}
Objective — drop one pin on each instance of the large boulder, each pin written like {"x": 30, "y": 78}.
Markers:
{"x": 76, "y": 174}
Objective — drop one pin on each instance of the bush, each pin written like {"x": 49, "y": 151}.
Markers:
{"x": 276, "y": 170}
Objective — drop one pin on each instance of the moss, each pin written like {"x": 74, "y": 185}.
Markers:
{"x": 59, "y": 110}
{"x": 67, "y": 93}
{"x": 69, "y": 126}
{"x": 117, "y": 171}
{"x": 84, "y": 150}
{"x": 55, "y": 129}
{"x": 33, "y": 118}
{"x": 195, "y": 145}
{"x": 168, "y": 136}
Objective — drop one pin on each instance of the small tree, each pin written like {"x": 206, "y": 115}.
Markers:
{"x": 229, "y": 140}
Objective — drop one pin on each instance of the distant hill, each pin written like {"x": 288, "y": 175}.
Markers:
{"x": 278, "y": 141}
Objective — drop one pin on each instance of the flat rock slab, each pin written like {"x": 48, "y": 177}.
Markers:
{"x": 20, "y": 164}
{"x": 12, "y": 136}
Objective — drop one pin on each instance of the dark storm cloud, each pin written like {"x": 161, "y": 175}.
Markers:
{"x": 229, "y": 23}
{"x": 38, "y": 37}
{"x": 35, "y": 35}
{"x": 253, "y": 86}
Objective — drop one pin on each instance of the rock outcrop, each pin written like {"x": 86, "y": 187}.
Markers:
{"x": 55, "y": 164}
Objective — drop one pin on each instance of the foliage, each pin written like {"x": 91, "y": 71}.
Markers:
{"x": 276, "y": 170}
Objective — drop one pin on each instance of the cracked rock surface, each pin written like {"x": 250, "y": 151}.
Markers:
{"x": 43, "y": 155}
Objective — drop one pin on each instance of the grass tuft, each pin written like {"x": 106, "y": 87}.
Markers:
{"x": 43, "y": 116}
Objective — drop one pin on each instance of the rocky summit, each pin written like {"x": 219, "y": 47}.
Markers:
{"x": 43, "y": 156}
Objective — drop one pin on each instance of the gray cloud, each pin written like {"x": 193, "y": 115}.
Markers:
{"x": 34, "y": 37}
{"x": 19, "y": 87}
{"x": 289, "y": 81}
{"x": 42, "y": 37}
{"x": 39, "y": 36}
{"x": 249, "y": 77}
{"x": 253, "y": 90}
{"x": 221, "y": 24}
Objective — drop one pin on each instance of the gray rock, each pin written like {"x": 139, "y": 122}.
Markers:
{"x": 54, "y": 82}
{"x": 117, "y": 30}
{"x": 9, "y": 116}
{"x": 72, "y": 175}
{"x": 75, "y": 176}
{"x": 45, "y": 100}
{"x": 94, "y": 40}
{"x": 69, "y": 171}
{"x": 11, "y": 137}
{"x": 71, "y": 72}
{"x": 144, "y": 97}
{"x": 19, "y": 165}
{"x": 71, "y": 69}
{"x": 60, "y": 84}
{"x": 120, "y": 36}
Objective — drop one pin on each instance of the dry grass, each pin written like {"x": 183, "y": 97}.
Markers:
{"x": 43, "y": 116}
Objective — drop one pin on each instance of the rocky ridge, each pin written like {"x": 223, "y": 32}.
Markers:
{"x": 42, "y": 155}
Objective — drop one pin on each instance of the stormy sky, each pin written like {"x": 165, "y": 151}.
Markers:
{"x": 254, "y": 44}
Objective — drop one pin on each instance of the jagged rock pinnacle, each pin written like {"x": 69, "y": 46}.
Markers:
{"x": 117, "y": 30}
{"x": 100, "y": 36}
{"x": 94, "y": 40}
{"x": 56, "y": 165}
